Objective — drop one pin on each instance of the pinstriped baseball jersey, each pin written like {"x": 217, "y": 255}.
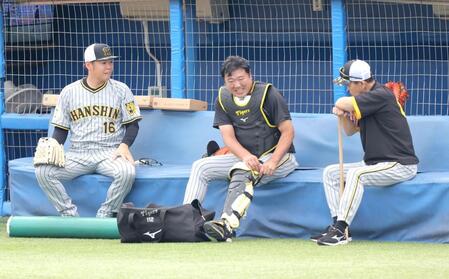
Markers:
{"x": 95, "y": 117}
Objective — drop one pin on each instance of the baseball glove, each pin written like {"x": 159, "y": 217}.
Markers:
{"x": 399, "y": 91}
{"x": 49, "y": 152}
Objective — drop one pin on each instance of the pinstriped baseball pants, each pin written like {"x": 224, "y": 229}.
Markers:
{"x": 357, "y": 175}
{"x": 87, "y": 162}
{"x": 217, "y": 167}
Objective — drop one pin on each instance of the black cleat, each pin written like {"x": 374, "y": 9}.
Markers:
{"x": 315, "y": 238}
{"x": 333, "y": 237}
{"x": 218, "y": 230}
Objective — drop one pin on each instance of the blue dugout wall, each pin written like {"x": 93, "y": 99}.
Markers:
{"x": 176, "y": 52}
{"x": 188, "y": 48}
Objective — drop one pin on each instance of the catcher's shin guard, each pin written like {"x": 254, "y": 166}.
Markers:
{"x": 240, "y": 194}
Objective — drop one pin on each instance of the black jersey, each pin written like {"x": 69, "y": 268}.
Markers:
{"x": 384, "y": 130}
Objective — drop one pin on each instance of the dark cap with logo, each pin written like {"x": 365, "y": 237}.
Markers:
{"x": 98, "y": 52}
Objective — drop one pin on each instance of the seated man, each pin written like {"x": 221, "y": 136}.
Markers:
{"x": 386, "y": 139}
{"x": 256, "y": 126}
{"x": 102, "y": 116}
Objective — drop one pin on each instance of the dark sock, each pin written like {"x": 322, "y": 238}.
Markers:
{"x": 341, "y": 225}
{"x": 335, "y": 220}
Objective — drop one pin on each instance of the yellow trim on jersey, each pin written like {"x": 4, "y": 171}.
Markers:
{"x": 132, "y": 120}
{"x": 268, "y": 151}
{"x": 59, "y": 126}
{"x": 252, "y": 88}
{"x": 261, "y": 106}
{"x": 286, "y": 157}
{"x": 219, "y": 99}
{"x": 401, "y": 109}
{"x": 358, "y": 114}
{"x": 93, "y": 90}
{"x": 358, "y": 179}
{"x": 285, "y": 161}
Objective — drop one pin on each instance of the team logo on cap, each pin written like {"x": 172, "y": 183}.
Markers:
{"x": 131, "y": 108}
{"x": 107, "y": 52}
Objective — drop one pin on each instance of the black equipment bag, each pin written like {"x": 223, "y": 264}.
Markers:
{"x": 163, "y": 224}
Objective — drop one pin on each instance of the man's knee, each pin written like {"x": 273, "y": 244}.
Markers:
{"x": 355, "y": 176}
{"x": 199, "y": 167}
{"x": 44, "y": 172}
{"x": 330, "y": 172}
{"x": 126, "y": 173}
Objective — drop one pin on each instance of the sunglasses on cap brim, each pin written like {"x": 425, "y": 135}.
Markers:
{"x": 344, "y": 79}
{"x": 148, "y": 162}
{"x": 341, "y": 81}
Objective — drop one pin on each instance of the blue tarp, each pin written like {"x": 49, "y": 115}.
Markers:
{"x": 291, "y": 207}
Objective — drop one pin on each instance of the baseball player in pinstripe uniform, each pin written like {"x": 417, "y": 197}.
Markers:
{"x": 389, "y": 156}
{"x": 255, "y": 124}
{"x": 102, "y": 117}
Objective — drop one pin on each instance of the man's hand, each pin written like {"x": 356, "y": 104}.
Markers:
{"x": 338, "y": 111}
{"x": 350, "y": 122}
{"x": 268, "y": 167}
{"x": 252, "y": 162}
{"x": 349, "y": 115}
{"x": 123, "y": 151}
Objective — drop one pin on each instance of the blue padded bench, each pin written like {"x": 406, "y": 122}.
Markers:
{"x": 295, "y": 206}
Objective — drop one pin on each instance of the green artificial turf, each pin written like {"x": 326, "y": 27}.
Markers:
{"x": 243, "y": 258}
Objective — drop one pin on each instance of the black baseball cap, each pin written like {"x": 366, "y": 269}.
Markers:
{"x": 98, "y": 52}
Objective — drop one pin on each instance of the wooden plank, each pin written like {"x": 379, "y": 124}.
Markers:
{"x": 179, "y": 104}
{"x": 50, "y": 100}
{"x": 144, "y": 102}
{"x": 60, "y": 2}
{"x": 148, "y": 102}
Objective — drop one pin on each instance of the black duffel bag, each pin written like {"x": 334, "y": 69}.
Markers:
{"x": 163, "y": 224}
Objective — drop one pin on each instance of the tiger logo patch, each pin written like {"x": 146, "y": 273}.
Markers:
{"x": 131, "y": 108}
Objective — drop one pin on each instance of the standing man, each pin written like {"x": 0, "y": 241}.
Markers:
{"x": 389, "y": 156}
{"x": 102, "y": 116}
{"x": 256, "y": 125}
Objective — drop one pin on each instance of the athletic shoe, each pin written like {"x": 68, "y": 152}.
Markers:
{"x": 333, "y": 237}
{"x": 315, "y": 238}
{"x": 218, "y": 230}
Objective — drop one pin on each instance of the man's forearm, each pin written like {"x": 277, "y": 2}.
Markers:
{"x": 285, "y": 141}
{"x": 236, "y": 148}
{"x": 349, "y": 126}
{"x": 131, "y": 133}
{"x": 60, "y": 135}
{"x": 345, "y": 103}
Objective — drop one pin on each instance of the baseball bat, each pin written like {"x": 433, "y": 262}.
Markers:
{"x": 340, "y": 155}
{"x": 340, "y": 162}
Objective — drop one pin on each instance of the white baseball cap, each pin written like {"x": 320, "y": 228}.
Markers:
{"x": 354, "y": 70}
{"x": 97, "y": 52}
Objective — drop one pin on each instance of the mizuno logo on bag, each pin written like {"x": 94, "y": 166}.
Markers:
{"x": 152, "y": 234}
